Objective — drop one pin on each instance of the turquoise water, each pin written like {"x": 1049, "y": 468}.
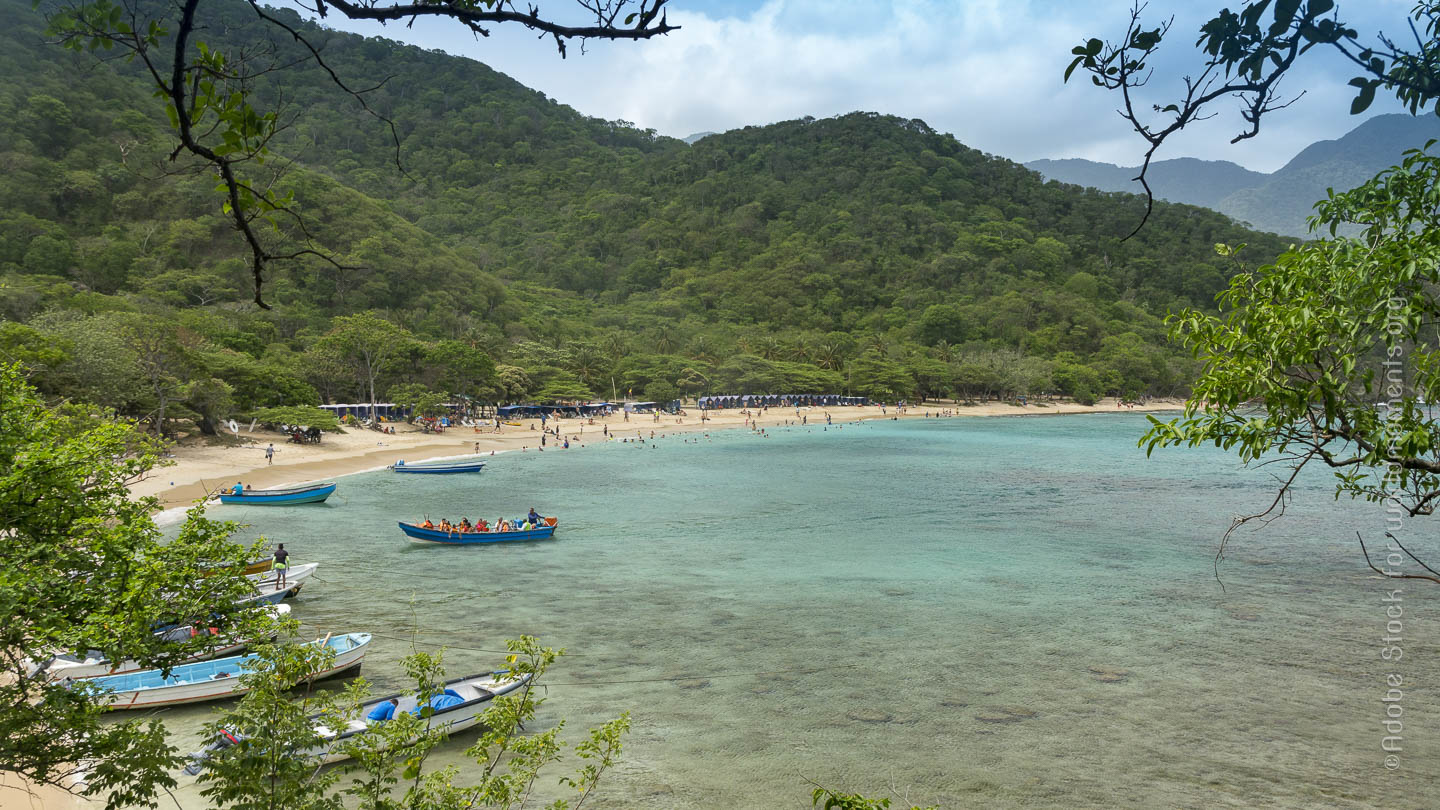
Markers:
{"x": 997, "y": 612}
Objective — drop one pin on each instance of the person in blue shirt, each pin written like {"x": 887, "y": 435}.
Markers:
{"x": 239, "y": 488}
{"x": 534, "y": 517}
{"x": 384, "y": 711}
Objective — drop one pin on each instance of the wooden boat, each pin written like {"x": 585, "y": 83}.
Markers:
{"x": 259, "y": 566}
{"x": 315, "y": 493}
{"x": 212, "y": 680}
{"x": 438, "y": 469}
{"x": 475, "y": 693}
{"x": 422, "y": 535}
{"x": 94, "y": 665}
{"x": 266, "y": 592}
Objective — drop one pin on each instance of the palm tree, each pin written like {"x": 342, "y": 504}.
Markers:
{"x": 830, "y": 355}
{"x": 943, "y": 351}
{"x": 615, "y": 345}
{"x": 700, "y": 349}
{"x": 588, "y": 364}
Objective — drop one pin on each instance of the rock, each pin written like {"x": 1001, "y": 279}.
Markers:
{"x": 870, "y": 716}
{"x": 1109, "y": 674}
{"x": 1004, "y": 714}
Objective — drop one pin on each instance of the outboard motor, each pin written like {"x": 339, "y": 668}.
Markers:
{"x": 199, "y": 759}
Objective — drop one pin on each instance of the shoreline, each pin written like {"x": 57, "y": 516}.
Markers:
{"x": 200, "y": 469}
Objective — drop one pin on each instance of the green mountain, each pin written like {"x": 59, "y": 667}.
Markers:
{"x": 865, "y": 252}
{"x": 1278, "y": 202}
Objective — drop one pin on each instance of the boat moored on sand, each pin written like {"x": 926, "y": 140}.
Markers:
{"x": 314, "y": 493}
{"x": 457, "y": 708}
{"x": 212, "y": 680}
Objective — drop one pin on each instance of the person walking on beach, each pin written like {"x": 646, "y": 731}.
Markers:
{"x": 282, "y": 563}
{"x": 270, "y": 454}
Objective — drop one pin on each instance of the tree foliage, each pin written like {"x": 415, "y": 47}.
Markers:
{"x": 82, "y": 569}
{"x": 1336, "y": 342}
{"x": 519, "y": 222}
{"x": 277, "y": 759}
{"x": 212, "y": 107}
{"x": 1327, "y": 355}
{"x": 1245, "y": 54}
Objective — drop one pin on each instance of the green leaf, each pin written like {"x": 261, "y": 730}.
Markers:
{"x": 1362, "y": 101}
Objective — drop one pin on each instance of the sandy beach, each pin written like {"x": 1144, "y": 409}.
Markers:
{"x": 199, "y": 469}
{"x": 16, "y": 794}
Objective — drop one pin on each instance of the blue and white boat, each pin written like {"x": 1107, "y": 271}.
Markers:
{"x": 212, "y": 680}
{"x": 315, "y": 493}
{"x": 455, "y": 537}
{"x": 455, "y": 709}
{"x": 93, "y": 664}
{"x": 438, "y": 469}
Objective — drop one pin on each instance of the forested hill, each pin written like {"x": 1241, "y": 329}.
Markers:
{"x": 863, "y": 252}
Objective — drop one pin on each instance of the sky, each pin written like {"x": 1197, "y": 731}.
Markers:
{"x": 987, "y": 71}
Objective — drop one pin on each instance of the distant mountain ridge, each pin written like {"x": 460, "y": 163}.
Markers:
{"x": 1278, "y": 202}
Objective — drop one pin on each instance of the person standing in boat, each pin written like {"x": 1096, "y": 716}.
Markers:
{"x": 282, "y": 562}
{"x": 533, "y": 517}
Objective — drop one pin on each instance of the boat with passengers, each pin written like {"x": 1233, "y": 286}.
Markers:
{"x": 530, "y": 527}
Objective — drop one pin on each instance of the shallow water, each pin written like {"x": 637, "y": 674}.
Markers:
{"x": 997, "y": 612}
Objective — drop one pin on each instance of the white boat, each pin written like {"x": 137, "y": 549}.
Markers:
{"x": 267, "y": 585}
{"x": 457, "y": 708}
{"x": 212, "y": 680}
{"x": 94, "y": 665}
{"x": 270, "y": 580}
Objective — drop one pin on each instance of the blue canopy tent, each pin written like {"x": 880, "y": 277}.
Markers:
{"x": 531, "y": 411}
{"x": 717, "y": 402}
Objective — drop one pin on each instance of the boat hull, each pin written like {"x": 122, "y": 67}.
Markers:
{"x": 258, "y": 566}
{"x": 476, "y": 690}
{"x": 267, "y": 594}
{"x": 280, "y": 497}
{"x": 99, "y": 668}
{"x": 188, "y": 684}
{"x": 439, "y": 469}
{"x": 423, "y": 535}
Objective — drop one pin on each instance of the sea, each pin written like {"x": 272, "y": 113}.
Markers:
{"x": 963, "y": 612}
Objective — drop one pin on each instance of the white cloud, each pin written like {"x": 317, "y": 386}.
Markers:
{"x": 988, "y": 71}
